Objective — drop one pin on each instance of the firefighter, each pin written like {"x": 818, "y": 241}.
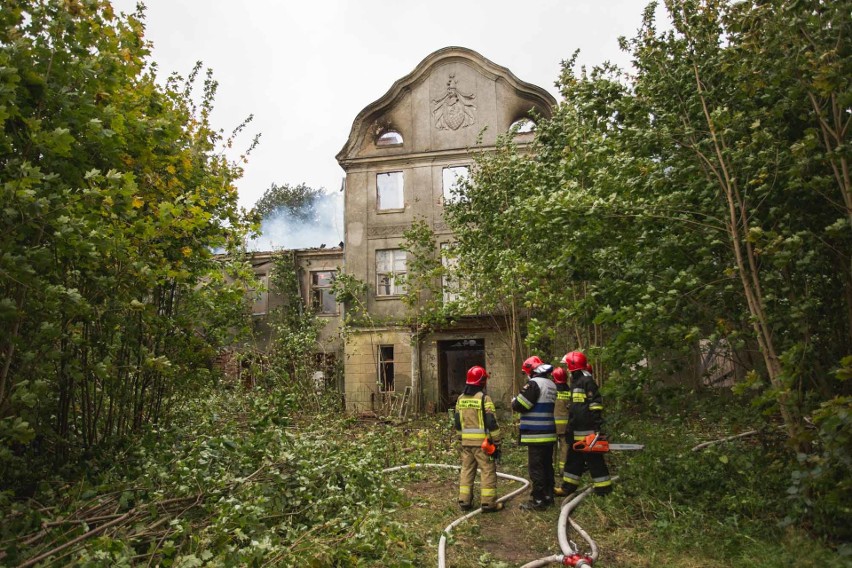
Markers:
{"x": 475, "y": 422}
{"x": 535, "y": 403}
{"x": 560, "y": 416}
{"x": 585, "y": 417}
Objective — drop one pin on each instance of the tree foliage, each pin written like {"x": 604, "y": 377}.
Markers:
{"x": 114, "y": 192}
{"x": 699, "y": 200}
{"x": 295, "y": 329}
{"x": 297, "y": 200}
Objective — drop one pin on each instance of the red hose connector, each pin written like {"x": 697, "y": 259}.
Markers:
{"x": 577, "y": 561}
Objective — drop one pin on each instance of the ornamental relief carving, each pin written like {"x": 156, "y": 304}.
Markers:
{"x": 386, "y": 231}
{"x": 455, "y": 109}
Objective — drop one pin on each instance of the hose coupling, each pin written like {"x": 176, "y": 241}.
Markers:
{"x": 577, "y": 560}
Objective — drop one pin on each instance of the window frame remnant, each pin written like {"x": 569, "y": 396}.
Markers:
{"x": 391, "y": 269}
{"x": 323, "y": 301}
{"x": 385, "y": 372}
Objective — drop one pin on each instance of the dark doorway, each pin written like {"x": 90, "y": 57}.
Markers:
{"x": 454, "y": 359}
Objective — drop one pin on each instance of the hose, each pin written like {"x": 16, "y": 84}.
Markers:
{"x": 568, "y": 505}
{"x": 442, "y": 545}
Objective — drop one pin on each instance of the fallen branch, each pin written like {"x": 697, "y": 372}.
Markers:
{"x": 705, "y": 444}
{"x": 81, "y": 538}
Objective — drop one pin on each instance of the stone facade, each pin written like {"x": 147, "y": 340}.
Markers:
{"x": 396, "y": 161}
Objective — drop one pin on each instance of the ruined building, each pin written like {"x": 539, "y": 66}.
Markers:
{"x": 403, "y": 154}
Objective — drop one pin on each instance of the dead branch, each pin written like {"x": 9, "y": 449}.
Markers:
{"x": 81, "y": 538}
{"x": 705, "y": 444}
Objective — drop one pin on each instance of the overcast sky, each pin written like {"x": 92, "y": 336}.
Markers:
{"x": 306, "y": 68}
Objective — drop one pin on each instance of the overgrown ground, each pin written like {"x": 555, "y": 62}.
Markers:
{"x": 252, "y": 479}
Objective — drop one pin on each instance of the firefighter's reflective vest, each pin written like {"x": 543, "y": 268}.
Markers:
{"x": 537, "y": 424}
{"x": 560, "y": 410}
{"x": 476, "y": 420}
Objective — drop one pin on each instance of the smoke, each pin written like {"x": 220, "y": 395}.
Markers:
{"x": 318, "y": 223}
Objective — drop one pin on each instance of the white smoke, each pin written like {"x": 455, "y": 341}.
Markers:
{"x": 320, "y": 224}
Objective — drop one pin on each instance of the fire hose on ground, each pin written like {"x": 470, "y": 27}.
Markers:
{"x": 569, "y": 557}
{"x": 442, "y": 545}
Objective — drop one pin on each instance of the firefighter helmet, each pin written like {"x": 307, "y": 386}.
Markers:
{"x": 530, "y": 364}
{"x": 559, "y": 376}
{"x": 476, "y": 376}
{"x": 576, "y": 361}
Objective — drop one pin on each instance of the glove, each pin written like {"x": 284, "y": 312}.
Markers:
{"x": 497, "y": 456}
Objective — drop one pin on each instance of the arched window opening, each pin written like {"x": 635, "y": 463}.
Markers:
{"x": 523, "y": 126}
{"x": 389, "y": 138}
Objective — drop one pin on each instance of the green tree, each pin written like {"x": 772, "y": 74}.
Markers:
{"x": 297, "y": 200}
{"x": 697, "y": 199}
{"x": 114, "y": 194}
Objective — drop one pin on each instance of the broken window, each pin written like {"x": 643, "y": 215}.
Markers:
{"x": 389, "y": 193}
{"x": 322, "y": 299}
{"x": 389, "y": 138}
{"x": 260, "y": 296}
{"x": 449, "y": 279}
{"x": 454, "y": 178}
{"x": 390, "y": 272}
{"x": 386, "y": 370}
{"x": 524, "y": 126}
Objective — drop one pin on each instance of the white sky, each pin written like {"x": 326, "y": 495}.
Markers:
{"x": 306, "y": 68}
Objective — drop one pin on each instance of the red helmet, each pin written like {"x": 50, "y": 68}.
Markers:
{"x": 576, "y": 361}
{"x": 530, "y": 364}
{"x": 477, "y": 376}
{"x": 559, "y": 376}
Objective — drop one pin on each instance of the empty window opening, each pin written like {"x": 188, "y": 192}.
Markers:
{"x": 322, "y": 298}
{"x": 454, "y": 180}
{"x": 389, "y": 191}
{"x": 450, "y": 284}
{"x": 524, "y": 126}
{"x": 389, "y": 138}
{"x": 260, "y": 296}
{"x": 390, "y": 272}
{"x": 386, "y": 370}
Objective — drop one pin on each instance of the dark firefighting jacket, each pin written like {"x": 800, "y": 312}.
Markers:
{"x": 585, "y": 411}
{"x": 535, "y": 402}
{"x": 474, "y": 417}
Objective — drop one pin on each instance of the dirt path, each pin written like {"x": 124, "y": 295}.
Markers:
{"x": 511, "y": 537}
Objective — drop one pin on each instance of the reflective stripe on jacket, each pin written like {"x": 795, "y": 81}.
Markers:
{"x": 475, "y": 414}
{"x": 560, "y": 410}
{"x": 586, "y": 404}
{"x": 537, "y": 425}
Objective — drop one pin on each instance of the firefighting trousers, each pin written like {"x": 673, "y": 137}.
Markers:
{"x": 540, "y": 468}
{"x": 578, "y": 462}
{"x": 561, "y": 452}
{"x": 471, "y": 457}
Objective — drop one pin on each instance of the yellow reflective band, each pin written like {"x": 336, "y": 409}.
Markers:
{"x": 561, "y": 422}
{"x": 473, "y": 436}
{"x": 603, "y": 483}
{"x": 468, "y": 403}
{"x": 579, "y": 397}
{"x": 542, "y": 440}
{"x": 490, "y": 406}
{"x": 488, "y": 492}
{"x": 595, "y": 406}
{"x": 464, "y": 489}
{"x": 571, "y": 481}
{"x": 524, "y": 402}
